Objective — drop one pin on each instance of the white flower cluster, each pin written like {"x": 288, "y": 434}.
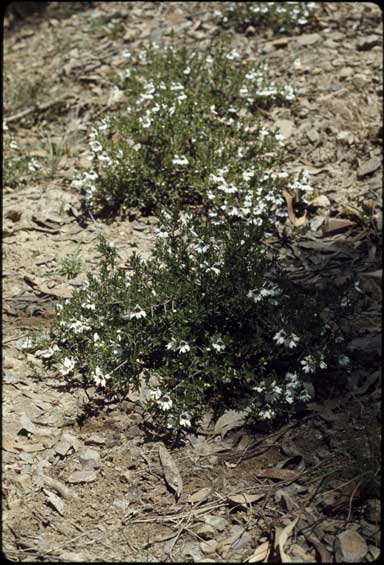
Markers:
{"x": 289, "y": 341}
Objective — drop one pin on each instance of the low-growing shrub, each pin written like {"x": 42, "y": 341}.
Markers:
{"x": 208, "y": 321}
{"x": 281, "y": 17}
{"x": 188, "y": 115}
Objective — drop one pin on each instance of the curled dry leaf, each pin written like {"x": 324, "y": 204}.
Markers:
{"x": 171, "y": 471}
{"x": 279, "y": 474}
{"x": 283, "y": 538}
{"x": 245, "y": 499}
{"x": 55, "y": 501}
{"x": 260, "y": 554}
{"x": 229, "y": 420}
{"x": 200, "y": 495}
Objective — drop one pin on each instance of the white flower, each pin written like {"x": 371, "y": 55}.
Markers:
{"x": 172, "y": 345}
{"x": 99, "y": 378}
{"x": 292, "y": 341}
{"x": 219, "y": 345}
{"x": 137, "y": 313}
{"x": 96, "y": 337}
{"x": 308, "y": 364}
{"x": 166, "y": 403}
{"x": 67, "y": 366}
{"x": 279, "y": 337}
{"x": 154, "y": 394}
{"x": 88, "y": 306}
{"x": 185, "y": 420}
{"x": 344, "y": 360}
{"x": 117, "y": 349}
{"x": 184, "y": 347}
{"x": 180, "y": 160}
{"x": 323, "y": 364}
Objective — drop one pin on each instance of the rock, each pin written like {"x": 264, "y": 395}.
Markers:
{"x": 313, "y": 135}
{"x": 320, "y": 201}
{"x": 368, "y": 167}
{"x": 94, "y": 439}
{"x": 14, "y": 215}
{"x": 350, "y": 547}
{"x": 82, "y": 477}
{"x": 206, "y": 532}
{"x": 285, "y": 127}
{"x": 373, "y": 510}
{"x": 217, "y": 522}
{"x": 209, "y": 546}
{"x": 374, "y": 553}
{"x": 308, "y": 39}
{"x": 367, "y": 42}
{"x": 89, "y": 458}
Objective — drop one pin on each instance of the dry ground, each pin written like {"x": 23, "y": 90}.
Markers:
{"x": 93, "y": 488}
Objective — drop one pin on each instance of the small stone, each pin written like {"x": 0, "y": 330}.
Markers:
{"x": 94, "y": 439}
{"x": 82, "y": 477}
{"x": 367, "y": 42}
{"x": 209, "y": 546}
{"x": 206, "y": 532}
{"x": 313, "y": 135}
{"x": 217, "y": 522}
{"x": 89, "y": 458}
{"x": 373, "y": 510}
{"x": 374, "y": 553}
{"x": 350, "y": 547}
{"x": 14, "y": 215}
{"x": 285, "y": 127}
{"x": 308, "y": 39}
{"x": 368, "y": 167}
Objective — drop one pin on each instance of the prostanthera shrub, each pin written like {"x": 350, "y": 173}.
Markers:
{"x": 281, "y": 17}
{"x": 188, "y": 114}
{"x": 207, "y": 322}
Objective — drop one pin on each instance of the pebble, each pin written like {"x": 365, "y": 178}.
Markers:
{"x": 308, "y": 39}
{"x": 89, "y": 458}
{"x": 373, "y": 510}
{"x": 217, "y": 522}
{"x": 367, "y": 42}
{"x": 369, "y": 167}
{"x": 350, "y": 547}
{"x": 209, "y": 546}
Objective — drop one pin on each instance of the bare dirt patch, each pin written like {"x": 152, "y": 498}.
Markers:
{"x": 91, "y": 487}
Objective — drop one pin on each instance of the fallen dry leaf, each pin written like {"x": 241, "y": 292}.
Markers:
{"x": 200, "y": 495}
{"x": 279, "y": 474}
{"x": 283, "y": 538}
{"x": 336, "y": 225}
{"x": 229, "y": 420}
{"x": 171, "y": 471}
{"x": 245, "y": 499}
{"x": 260, "y": 554}
{"x": 291, "y": 215}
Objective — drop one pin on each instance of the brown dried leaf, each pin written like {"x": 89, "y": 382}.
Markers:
{"x": 245, "y": 499}
{"x": 336, "y": 225}
{"x": 261, "y": 553}
{"x": 283, "y": 538}
{"x": 57, "y": 503}
{"x": 200, "y": 495}
{"x": 291, "y": 215}
{"x": 229, "y": 420}
{"x": 279, "y": 474}
{"x": 171, "y": 471}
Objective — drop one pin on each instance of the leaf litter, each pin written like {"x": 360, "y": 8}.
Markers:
{"x": 233, "y": 486}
